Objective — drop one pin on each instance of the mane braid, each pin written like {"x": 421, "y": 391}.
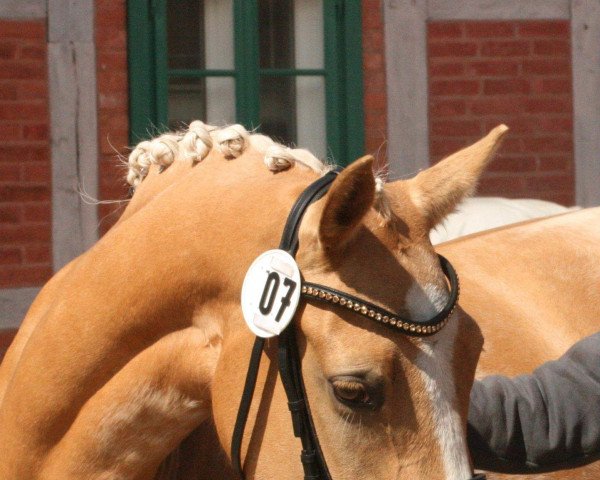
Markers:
{"x": 195, "y": 143}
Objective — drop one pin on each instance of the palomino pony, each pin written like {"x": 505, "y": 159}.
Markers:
{"x": 141, "y": 340}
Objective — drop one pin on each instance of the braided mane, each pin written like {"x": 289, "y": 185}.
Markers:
{"x": 194, "y": 144}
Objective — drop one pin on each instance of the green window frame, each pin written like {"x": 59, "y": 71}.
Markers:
{"x": 149, "y": 72}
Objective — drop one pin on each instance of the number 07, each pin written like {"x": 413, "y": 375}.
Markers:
{"x": 269, "y": 294}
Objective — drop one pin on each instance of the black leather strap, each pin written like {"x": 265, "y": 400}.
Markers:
{"x": 245, "y": 402}
{"x": 289, "y": 243}
{"x": 289, "y": 238}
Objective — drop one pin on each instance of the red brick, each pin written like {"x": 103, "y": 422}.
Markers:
{"x": 489, "y": 29}
{"x": 23, "y": 29}
{"x": 512, "y": 145}
{"x": 113, "y": 60}
{"x": 555, "y": 66}
{"x": 518, "y": 125}
{"x": 556, "y": 163}
{"x": 453, "y": 49}
{"x": 445, "y": 147}
{"x": 23, "y": 111}
{"x": 10, "y": 172}
{"x": 8, "y": 90}
{"x": 24, "y": 276}
{"x": 548, "y": 105}
{"x": 8, "y": 49}
{"x": 37, "y": 132}
{"x": 114, "y": 101}
{"x": 33, "y": 90}
{"x": 9, "y": 132}
{"x": 21, "y": 153}
{"x": 37, "y": 172}
{"x": 373, "y": 41}
{"x": 566, "y": 198}
{"x": 115, "y": 144}
{"x": 375, "y": 100}
{"x": 10, "y": 214}
{"x": 20, "y": 234}
{"x": 24, "y": 193}
{"x": 505, "y": 185}
{"x": 446, "y": 108}
{"x": 10, "y": 256}
{"x": 456, "y": 128}
{"x": 446, "y": 69}
{"x": 552, "y": 85}
{"x": 549, "y": 144}
{"x": 444, "y": 30}
{"x": 373, "y": 61}
{"x": 509, "y": 86}
{"x": 563, "y": 124}
{"x": 39, "y": 253}
{"x": 454, "y": 87}
{"x": 497, "y": 48}
{"x": 552, "y": 47}
{"x": 511, "y": 163}
{"x": 6, "y": 338}
{"x": 543, "y": 28}
{"x": 34, "y": 52}
{"x": 22, "y": 70}
{"x": 555, "y": 182}
{"x": 493, "y": 68}
{"x": 496, "y": 106}
{"x": 111, "y": 37}
{"x": 37, "y": 212}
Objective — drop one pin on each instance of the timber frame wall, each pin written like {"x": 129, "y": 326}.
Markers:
{"x": 407, "y": 73}
{"x": 73, "y": 133}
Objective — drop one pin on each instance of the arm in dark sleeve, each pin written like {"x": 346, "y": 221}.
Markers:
{"x": 548, "y": 418}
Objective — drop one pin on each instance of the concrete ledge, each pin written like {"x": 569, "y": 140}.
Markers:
{"x": 14, "y": 303}
{"x": 23, "y": 9}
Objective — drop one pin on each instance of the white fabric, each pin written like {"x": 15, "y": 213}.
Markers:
{"x": 483, "y": 213}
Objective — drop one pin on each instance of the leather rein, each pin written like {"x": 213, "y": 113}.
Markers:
{"x": 313, "y": 461}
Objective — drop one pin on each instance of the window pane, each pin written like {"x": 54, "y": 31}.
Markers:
{"x": 211, "y": 100}
{"x": 200, "y": 34}
{"x": 309, "y": 31}
{"x": 185, "y": 33}
{"x": 293, "y": 111}
{"x": 278, "y": 108}
{"x": 310, "y": 110}
{"x": 218, "y": 28}
{"x": 275, "y": 33}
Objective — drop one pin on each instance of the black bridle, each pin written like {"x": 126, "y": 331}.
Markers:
{"x": 313, "y": 461}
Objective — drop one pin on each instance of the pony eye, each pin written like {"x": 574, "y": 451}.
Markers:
{"x": 353, "y": 394}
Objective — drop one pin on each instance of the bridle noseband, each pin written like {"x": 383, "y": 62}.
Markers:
{"x": 313, "y": 461}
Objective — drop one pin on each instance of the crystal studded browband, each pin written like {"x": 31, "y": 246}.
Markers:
{"x": 383, "y": 316}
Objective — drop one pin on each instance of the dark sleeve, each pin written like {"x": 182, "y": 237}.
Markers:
{"x": 550, "y": 417}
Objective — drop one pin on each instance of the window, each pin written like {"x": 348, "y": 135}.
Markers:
{"x": 290, "y": 68}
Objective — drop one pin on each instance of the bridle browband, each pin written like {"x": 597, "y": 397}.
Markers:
{"x": 313, "y": 461}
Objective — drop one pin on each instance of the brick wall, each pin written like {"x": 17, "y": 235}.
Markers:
{"x": 25, "y": 175}
{"x": 375, "y": 102}
{"x": 519, "y": 73}
{"x": 113, "y": 116}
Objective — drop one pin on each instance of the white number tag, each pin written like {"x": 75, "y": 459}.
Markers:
{"x": 271, "y": 293}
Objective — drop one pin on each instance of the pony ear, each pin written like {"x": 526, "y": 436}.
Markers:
{"x": 437, "y": 190}
{"x": 350, "y": 197}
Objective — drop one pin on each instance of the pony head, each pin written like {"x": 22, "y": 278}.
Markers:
{"x": 385, "y": 405}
